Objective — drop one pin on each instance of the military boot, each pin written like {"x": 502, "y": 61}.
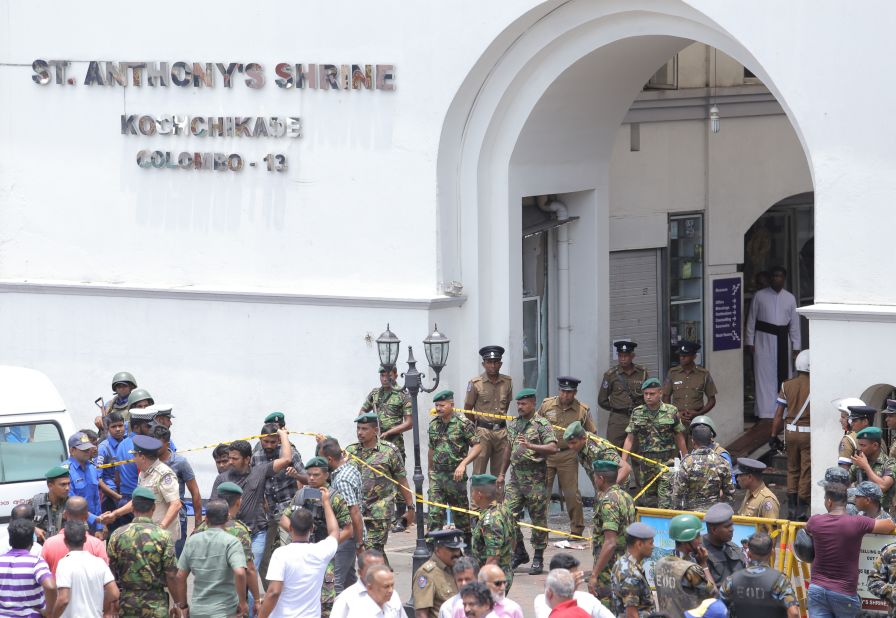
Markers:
{"x": 802, "y": 508}
{"x": 537, "y": 567}
{"x": 520, "y": 556}
{"x": 792, "y": 509}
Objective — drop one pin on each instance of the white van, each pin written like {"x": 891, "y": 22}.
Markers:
{"x": 34, "y": 431}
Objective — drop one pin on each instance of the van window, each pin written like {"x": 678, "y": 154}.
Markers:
{"x": 28, "y": 450}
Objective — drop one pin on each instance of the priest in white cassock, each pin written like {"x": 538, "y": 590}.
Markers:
{"x": 773, "y": 337}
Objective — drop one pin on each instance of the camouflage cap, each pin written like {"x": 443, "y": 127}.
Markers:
{"x": 143, "y": 492}
{"x": 229, "y": 488}
{"x": 869, "y": 489}
{"x": 835, "y": 474}
{"x": 574, "y": 430}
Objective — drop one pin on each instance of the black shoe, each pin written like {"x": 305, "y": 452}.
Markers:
{"x": 399, "y": 525}
{"x": 537, "y": 567}
{"x": 519, "y": 557}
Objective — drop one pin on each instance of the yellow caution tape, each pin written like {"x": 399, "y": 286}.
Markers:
{"x": 591, "y": 436}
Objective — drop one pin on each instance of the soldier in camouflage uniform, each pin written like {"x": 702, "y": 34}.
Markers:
{"x": 882, "y": 578}
{"x": 704, "y": 478}
{"x": 665, "y": 485}
{"x": 870, "y": 463}
{"x": 590, "y": 448}
{"x": 531, "y": 440}
{"x": 318, "y": 477}
{"x": 453, "y": 445}
{"x": 614, "y": 511}
{"x": 495, "y": 532}
{"x": 655, "y": 432}
{"x": 393, "y": 408}
{"x": 888, "y": 415}
{"x": 48, "y": 506}
{"x": 682, "y": 578}
{"x": 378, "y": 491}
{"x": 632, "y": 597}
{"x": 868, "y": 497}
{"x": 232, "y": 494}
{"x": 141, "y": 557}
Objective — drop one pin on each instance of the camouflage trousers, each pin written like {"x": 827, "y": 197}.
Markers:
{"x": 603, "y": 588}
{"x": 444, "y": 489}
{"x": 143, "y": 603}
{"x": 377, "y": 533}
{"x": 328, "y": 590}
{"x": 527, "y": 490}
{"x": 647, "y": 472}
{"x": 398, "y": 442}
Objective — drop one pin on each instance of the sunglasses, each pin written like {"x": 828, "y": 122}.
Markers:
{"x": 500, "y": 582}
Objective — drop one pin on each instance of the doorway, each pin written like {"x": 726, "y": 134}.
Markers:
{"x": 783, "y": 235}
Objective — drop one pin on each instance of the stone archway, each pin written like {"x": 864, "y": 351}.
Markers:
{"x": 509, "y": 133}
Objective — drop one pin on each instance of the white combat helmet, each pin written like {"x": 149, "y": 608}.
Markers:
{"x": 802, "y": 361}
{"x": 844, "y": 403}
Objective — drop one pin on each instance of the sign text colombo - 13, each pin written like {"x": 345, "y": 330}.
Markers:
{"x": 336, "y": 77}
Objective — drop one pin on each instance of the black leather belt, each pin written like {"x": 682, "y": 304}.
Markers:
{"x": 491, "y": 426}
{"x": 625, "y": 411}
{"x": 564, "y": 448}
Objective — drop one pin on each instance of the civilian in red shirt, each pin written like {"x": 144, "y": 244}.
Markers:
{"x": 837, "y": 538}
{"x": 558, "y": 592}
{"x": 55, "y": 548}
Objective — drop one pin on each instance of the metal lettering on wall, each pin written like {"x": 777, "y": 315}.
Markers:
{"x": 205, "y": 75}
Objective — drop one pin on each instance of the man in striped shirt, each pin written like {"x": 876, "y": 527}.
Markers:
{"x": 26, "y": 584}
{"x": 345, "y": 480}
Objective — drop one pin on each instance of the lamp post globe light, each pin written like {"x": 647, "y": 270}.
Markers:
{"x": 436, "y": 349}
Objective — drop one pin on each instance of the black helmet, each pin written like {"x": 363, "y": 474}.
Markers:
{"x": 803, "y": 546}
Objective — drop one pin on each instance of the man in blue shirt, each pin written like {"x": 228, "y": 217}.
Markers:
{"x": 108, "y": 454}
{"x": 84, "y": 478}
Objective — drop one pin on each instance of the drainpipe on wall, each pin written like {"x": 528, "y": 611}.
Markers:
{"x": 563, "y": 326}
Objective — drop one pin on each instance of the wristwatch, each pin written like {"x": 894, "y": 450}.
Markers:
{"x": 182, "y": 605}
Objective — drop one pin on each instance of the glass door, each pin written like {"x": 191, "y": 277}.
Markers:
{"x": 685, "y": 282}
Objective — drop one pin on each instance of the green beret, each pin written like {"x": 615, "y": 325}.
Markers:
{"x": 275, "y": 417}
{"x": 525, "y": 393}
{"x": 604, "y": 465}
{"x": 574, "y": 430}
{"x": 483, "y": 479}
{"x": 229, "y": 488}
{"x": 143, "y": 492}
{"x": 317, "y": 462}
{"x": 367, "y": 417}
{"x": 444, "y": 395}
{"x": 871, "y": 433}
{"x": 651, "y": 383}
{"x": 56, "y": 472}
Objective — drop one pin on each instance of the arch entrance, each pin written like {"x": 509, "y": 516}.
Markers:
{"x": 557, "y": 110}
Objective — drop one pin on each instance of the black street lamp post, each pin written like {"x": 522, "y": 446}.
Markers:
{"x": 436, "y": 349}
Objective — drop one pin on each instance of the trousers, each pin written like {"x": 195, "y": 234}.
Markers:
{"x": 345, "y": 565}
{"x": 493, "y": 442}
{"x": 825, "y": 603}
{"x": 565, "y": 467}
{"x": 526, "y": 490}
{"x": 799, "y": 473}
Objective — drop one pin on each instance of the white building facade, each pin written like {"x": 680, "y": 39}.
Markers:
{"x": 404, "y": 198}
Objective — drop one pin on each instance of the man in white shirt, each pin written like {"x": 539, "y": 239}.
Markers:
{"x": 380, "y": 583}
{"x": 586, "y": 601}
{"x": 349, "y": 601}
{"x": 85, "y": 586}
{"x": 494, "y": 578}
{"x": 465, "y": 571}
{"x": 296, "y": 571}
